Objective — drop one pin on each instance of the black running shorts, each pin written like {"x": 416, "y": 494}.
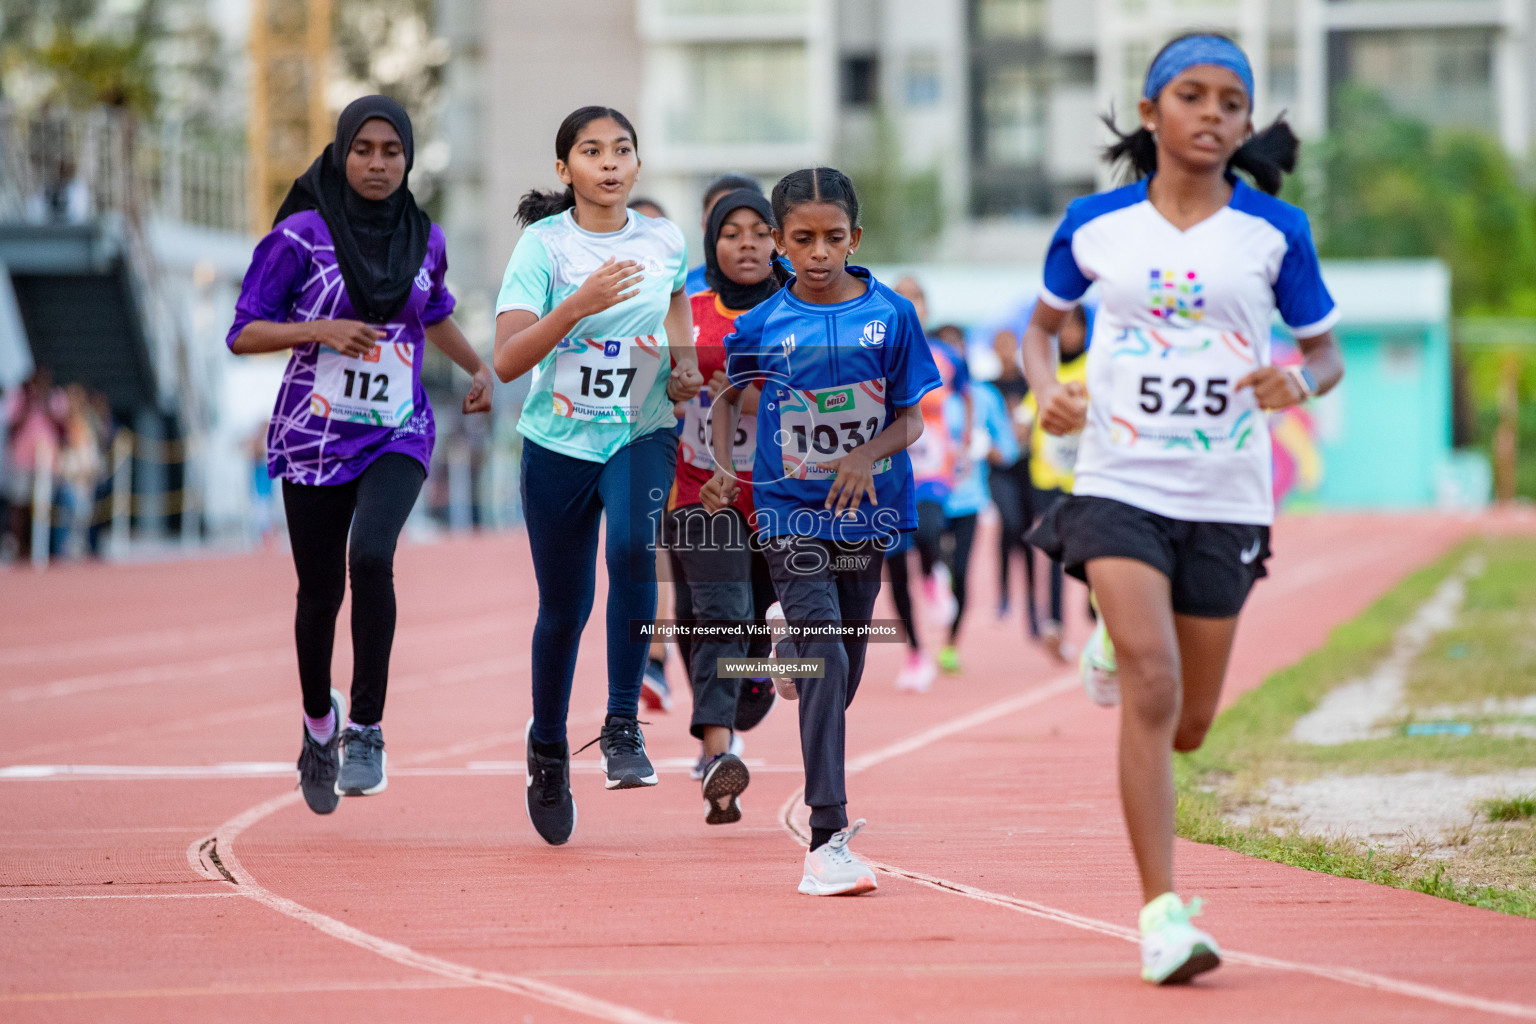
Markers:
{"x": 1211, "y": 566}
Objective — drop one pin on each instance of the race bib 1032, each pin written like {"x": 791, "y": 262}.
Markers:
{"x": 823, "y": 424}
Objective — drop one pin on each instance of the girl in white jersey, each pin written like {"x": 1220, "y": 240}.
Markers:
{"x": 1170, "y": 512}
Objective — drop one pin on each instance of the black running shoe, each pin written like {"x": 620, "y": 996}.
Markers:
{"x": 362, "y": 762}
{"x": 551, "y": 808}
{"x": 724, "y": 780}
{"x": 753, "y": 703}
{"x": 319, "y": 764}
{"x": 622, "y": 746}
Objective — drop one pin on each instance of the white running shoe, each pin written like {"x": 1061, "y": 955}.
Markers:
{"x": 1097, "y": 667}
{"x": 916, "y": 676}
{"x": 1173, "y": 950}
{"x": 939, "y": 589}
{"x": 778, "y": 629}
{"x": 833, "y": 870}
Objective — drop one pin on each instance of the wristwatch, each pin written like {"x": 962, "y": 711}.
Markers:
{"x": 1304, "y": 379}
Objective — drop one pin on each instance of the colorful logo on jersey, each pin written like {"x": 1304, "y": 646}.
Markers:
{"x": 612, "y": 348}
{"x": 874, "y": 334}
{"x": 1177, "y": 296}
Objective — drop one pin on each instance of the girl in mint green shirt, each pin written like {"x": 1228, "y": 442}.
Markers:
{"x": 593, "y": 305}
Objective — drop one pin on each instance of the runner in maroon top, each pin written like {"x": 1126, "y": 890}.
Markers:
{"x": 720, "y": 578}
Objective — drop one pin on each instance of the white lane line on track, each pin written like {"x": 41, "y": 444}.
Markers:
{"x": 1346, "y": 975}
{"x": 249, "y": 660}
{"x": 213, "y": 857}
{"x": 124, "y": 896}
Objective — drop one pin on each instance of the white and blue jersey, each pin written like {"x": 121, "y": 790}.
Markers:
{"x": 1182, "y": 316}
{"x": 833, "y": 377}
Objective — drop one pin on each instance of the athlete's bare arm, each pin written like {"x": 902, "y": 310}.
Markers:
{"x": 686, "y": 378}
{"x": 523, "y": 339}
{"x": 855, "y": 477}
{"x": 1062, "y": 408}
{"x": 1275, "y": 387}
{"x": 445, "y": 334}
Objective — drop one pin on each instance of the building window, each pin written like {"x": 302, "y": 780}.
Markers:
{"x": 924, "y": 84}
{"x": 861, "y": 80}
{"x": 1009, "y": 19}
{"x": 1013, "y": 117}
{"x": 1441, "y": 76}
{"x": 725, "y": 94}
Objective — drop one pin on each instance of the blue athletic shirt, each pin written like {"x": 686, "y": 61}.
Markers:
{"x": 833, "y": 377}
{"x": 696, "y": 284}
{"x": 605, "y": 384}
{"x": 1183, "y": 315}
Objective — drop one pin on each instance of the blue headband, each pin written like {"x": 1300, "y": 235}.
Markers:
{"x": 1193, "y": 50}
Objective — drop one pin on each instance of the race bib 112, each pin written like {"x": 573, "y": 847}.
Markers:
{"x": 377, "y": 388}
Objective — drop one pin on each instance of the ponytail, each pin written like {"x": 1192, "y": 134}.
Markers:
{"x": 1266, "y": 157}
{"x": 537, "y": 204}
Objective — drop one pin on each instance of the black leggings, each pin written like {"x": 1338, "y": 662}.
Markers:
{"x": 1013, "y": 494}
{"x": 963, "y": 530}
{"x": 901, "y": 593}
{"x": 374, "y": 507}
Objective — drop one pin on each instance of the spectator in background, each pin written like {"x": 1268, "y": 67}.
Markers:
{"x": 34, "y": 431}
{"x": 79, "y": 468}
{"x": 648, "y": 208}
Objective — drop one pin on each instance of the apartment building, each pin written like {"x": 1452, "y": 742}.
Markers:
{"x": 997, "y": 99}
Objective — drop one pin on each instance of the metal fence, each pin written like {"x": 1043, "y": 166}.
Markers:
{"x": 121, "y": 165}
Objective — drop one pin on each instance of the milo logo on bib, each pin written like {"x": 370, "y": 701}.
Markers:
{"x": 833, "y": 401}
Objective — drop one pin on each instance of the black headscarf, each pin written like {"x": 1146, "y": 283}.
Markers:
{"x": 733, "y": 295}
{"x": 380, "y": 243}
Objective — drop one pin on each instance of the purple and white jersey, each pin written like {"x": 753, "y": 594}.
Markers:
{"x": 335, "y": 414}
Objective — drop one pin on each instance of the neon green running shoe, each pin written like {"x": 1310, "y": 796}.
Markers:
{"x": 1173, "y": 950}
{"x": 949, "y": 659}
{"x": 1097, "y": 667}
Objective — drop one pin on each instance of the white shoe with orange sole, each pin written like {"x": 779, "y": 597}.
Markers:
{"x": 833, "y": 870}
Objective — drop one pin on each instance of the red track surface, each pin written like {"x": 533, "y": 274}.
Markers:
{"x": 991, "y": 800}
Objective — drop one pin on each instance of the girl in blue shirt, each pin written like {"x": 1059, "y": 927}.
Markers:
{"x": 843, "y": 363}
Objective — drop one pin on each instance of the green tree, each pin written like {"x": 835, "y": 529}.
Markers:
{"x": 1384, "y": 185}
{"x": 902, "y": 213}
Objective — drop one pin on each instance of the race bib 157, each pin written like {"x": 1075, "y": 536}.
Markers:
{"x": 604, "y": 380}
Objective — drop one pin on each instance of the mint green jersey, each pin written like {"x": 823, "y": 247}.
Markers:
{"x": 605, "y": 384}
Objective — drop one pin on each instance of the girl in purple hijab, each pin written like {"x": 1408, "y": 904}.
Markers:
{"x": 351, "y": 280}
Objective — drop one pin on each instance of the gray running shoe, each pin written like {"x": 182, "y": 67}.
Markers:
{"x": 622, "y": 746}
{"x": 319, "y": 763}
{"x": 551, "y": 808}
{"x": 724, "y": 780}
{"x": 362, "y": 762}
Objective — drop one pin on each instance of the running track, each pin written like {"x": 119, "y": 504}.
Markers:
{"x": 164, "y": 696}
